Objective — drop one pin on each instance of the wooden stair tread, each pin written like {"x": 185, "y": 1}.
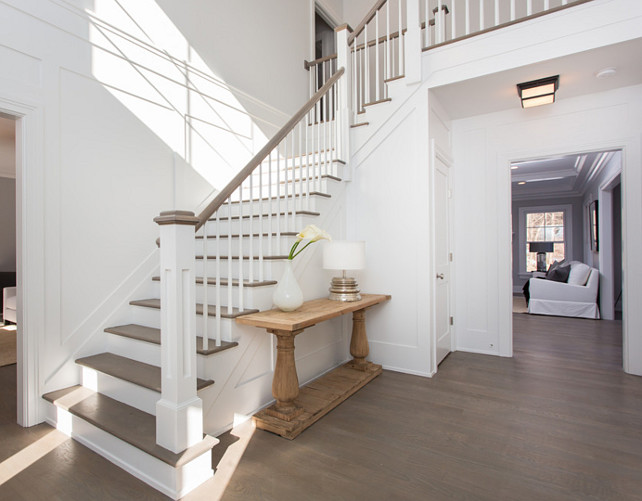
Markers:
{"x": 225, "y": 283}
{"x": 253, "y": 235}
{"x": 127, "y": 423}
{"x": 145, "y": 375}
{"x": 392, "y": 79}
{"x": 372, "y": 103}
{"x": 155, "y": 303}
{"x": 282, "y": 197}
{"x": 274, "y": 214}
{"x": 265, "y": 258}
{"x": 152, "y": 335}
{"x": 361, "y": 124}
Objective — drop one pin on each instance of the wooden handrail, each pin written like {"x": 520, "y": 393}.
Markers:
{"x": 308, "y": 64}
{"x": 226, "y": 192}
{"x": 371, "y": 13}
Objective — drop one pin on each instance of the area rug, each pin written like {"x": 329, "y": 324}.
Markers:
{"x": 519, "y": 304}
{"x": 7, "y": 345}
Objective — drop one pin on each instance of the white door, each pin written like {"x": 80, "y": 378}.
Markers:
{"x": 442, "y": 256}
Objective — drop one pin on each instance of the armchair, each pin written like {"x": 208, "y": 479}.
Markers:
{"x": 9, "y": 304}
{"x": 558, "y": 298}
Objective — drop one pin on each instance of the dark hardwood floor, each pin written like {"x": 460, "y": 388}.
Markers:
{"x": 559, "y": 421}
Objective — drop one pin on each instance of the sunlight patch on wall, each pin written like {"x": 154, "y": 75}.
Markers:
{"x": 145, "y": 62}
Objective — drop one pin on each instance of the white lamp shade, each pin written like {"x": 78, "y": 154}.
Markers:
{"x": 344, "y": 255}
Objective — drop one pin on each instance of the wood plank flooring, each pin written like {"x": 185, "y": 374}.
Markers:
{"x": 559, "y": 421}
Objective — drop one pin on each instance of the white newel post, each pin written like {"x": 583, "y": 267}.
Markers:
{"x": 344, "y": 90}
{"x": 413, "y": 42}
{"x": 179, "y": 412}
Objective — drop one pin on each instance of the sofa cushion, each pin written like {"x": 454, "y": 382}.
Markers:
{"x": 558, "y": 272}
{"x": 579, "y": 274}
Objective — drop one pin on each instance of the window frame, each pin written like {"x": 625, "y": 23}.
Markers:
{"x": 567, "y": 209}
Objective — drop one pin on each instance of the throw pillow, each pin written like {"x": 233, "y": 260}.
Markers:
{"x": 559, "y": 273}
{"x": 579, "y": 274}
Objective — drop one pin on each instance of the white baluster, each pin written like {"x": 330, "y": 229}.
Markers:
{"x": 388, "y": 69}
{"x": 512, "y": 10}
{"x": 270, "y": 227}
{"x": 251, "y": 232}
{"x": 467, "y": 17}
{"x": 301, "y": 164}
{"x": 278, "y": 201}
{"x": 307, "y": 166}
{"x": 481, "y": 15}
{"x": 261, "y": 214}
{"x": 367, "y": 66}
{"x": 218, "y": 281}
{"x": 496, "y": 12}
{"x": 377, "y": 77}
{"x": 401, "y": 44}
{"x": 529, "y": 7}
{"x": 453, "y": 20}
{"x": 439, "y": 25}
{"x": 241, "y": 272}
{"x": 205, "y": 288}
{"x": 426, "y": 24}
{"x": 546, "y": 5}
{"x": 229, "y": 253}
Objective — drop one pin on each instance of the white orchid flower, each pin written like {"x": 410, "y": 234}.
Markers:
{"x": 314, "y": 234}
{"x": 310, "y": 232}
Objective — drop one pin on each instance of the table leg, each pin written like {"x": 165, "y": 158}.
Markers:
{"x": 285, "y": 385}
{"x": 359, "y": 343}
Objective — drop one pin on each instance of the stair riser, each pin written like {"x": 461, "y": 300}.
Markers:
{"x": 131, "y": 394}
{"x": 253, "y": 297}
{"x": 269, "y": 245}
{"x": 314, "y": 203}
{"x": 296, "y": 223}
{"x": 151, "y": 318}
{"x": 302, "y": 168}
{"x": 272, "y": 268}
{"x": 173, "y": 482}
{"x": 142, "y": 351}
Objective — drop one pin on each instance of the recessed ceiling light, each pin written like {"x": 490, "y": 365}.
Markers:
{"x": 522, "y": 182}
{"x": 513, "y": 167}
{"x": 606, "y": 73}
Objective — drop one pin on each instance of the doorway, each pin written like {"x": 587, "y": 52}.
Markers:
{"x": 8, "y": 329}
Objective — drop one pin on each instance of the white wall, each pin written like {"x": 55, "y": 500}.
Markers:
{"x": 483, "y": 148}
{"x": 355, "y": 10}
{"x": 7, "y": 224}
{"x": 389, "y": 208}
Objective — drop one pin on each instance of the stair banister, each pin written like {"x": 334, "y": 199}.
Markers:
{"x": 244, "y": 173}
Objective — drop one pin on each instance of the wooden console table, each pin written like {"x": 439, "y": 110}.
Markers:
{"x": 295, "y": 410}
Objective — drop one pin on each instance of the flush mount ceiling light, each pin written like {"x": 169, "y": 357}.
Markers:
{"x": 538, "y": 92}
{"x": 606, "y": 73}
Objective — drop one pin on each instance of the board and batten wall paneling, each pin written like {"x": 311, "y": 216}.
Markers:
{"x": 388, "y": 207}
{"x": 484, "y": 146}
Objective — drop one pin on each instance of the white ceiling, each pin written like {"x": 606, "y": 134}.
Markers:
{"x": 564, "y": 176}
{"x": 498, "y": 92}
{"x": 560, "y": 176}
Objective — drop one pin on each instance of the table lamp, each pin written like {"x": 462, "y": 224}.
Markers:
{"x": 541, "y": 248}
{"x": 344, "y": 255}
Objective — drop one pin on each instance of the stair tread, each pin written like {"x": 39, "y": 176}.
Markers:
{"x": 361, "y": 124}
{"x": 152, "y": 335}
{"x": 225, "y": 283}
{"x": 282, "y": 197}
{"x": 274, "y": 214}
{"x": 127, "y": 423}
{"x": 155, "y": 303}
{"x": 145, "y": 375}
{"x": 265, "y": 258}
{"x": 372, "y": 103}
{"x": 254, "y": 235}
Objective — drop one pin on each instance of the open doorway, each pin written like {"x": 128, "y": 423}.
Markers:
{"x": 8, "y": 330}
{"x": 565, "y": 209}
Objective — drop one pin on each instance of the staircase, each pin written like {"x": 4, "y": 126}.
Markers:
{"x": 140, "y": 403}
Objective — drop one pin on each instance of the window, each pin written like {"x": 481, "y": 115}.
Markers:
{"x": 543, "y": 224}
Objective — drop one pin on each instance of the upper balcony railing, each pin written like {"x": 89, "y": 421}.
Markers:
{"x": 447, "y": 21}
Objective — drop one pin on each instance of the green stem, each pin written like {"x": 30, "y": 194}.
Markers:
{"x": 293, "y": 248}
{"x": 296, "y": 244}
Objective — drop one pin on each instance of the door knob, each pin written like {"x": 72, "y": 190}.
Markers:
{"x": 440, "y": 275}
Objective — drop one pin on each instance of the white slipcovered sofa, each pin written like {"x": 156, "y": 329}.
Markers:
{"x": 9, "y": 304}
{"x": 548, "y": 297}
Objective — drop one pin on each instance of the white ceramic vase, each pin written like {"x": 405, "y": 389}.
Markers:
{"x": 288, "y": 295}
